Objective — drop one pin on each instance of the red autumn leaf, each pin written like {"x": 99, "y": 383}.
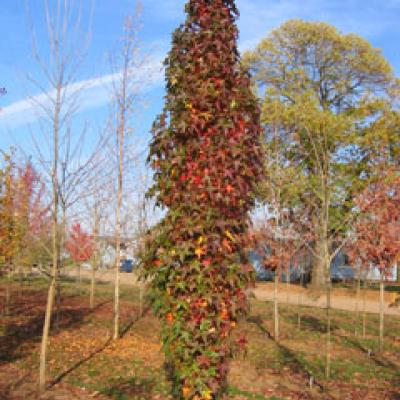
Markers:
{"x": 207, "y": 262}
{"x": 80, "y": 244}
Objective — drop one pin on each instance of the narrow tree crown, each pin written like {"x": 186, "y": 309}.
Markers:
{"x": 206, "y": 156}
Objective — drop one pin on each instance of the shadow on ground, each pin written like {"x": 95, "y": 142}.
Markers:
{"x": 291, "y": 360}
{"x": 314, "y": 324}
{"x": 26, "y": 323}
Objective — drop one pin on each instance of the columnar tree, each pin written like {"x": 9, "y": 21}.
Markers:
{"x": 206, "y": 156}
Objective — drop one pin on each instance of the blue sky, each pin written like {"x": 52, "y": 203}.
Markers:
{"x": 375, "y": 20}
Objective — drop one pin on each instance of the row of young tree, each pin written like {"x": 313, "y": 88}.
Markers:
{"x": 320, "y": 151}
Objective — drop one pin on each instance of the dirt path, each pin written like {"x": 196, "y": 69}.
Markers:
{"x": 106, "y": 276}
{"x": 342, "y": 299}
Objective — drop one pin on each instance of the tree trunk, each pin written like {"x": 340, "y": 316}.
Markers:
{"x": 49, "y": 306}
{"x": 300, "y": 300}
{"x": 95, "y": 256}
{"x": 45, "y": 336}
{"x": 58, "y": 300}
{"x": 357, "y": 308}
{"x": 79, "y": 279}
{"x": 55, "y": 244}
{"x": 141, "y": 299}
{"x": 328, "y": 332}
{"x": 8, "y": 294}
{"x": 92, "y": 288}
{"x": 118, "y": 245}
{"x": 120, "y": 141}
{"x": 276, "y": 307}
{"x": 287, "y": 286}
{"x": 328, "y": 286}
{"x": 116, "y": 299}
{"x": 364, "y": 328}
{"x": 62, "y": 260}
{"x": 381, "y": 314}
{"x": 318, "y": 280}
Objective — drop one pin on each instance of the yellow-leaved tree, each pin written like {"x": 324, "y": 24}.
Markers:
{"x": 330, "y": 98}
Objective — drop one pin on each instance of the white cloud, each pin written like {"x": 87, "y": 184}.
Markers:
{"x": 369, "y": 18}
{"x": 93, "y": 93}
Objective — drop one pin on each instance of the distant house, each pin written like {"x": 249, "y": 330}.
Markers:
{"x": 262, "y": 274}
{"x": 374, "y": 274}
{"x": 341, "y": 270}
{"x": 108, "y": 253}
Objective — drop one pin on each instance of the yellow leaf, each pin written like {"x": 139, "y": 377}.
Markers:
{"x": 207, "y": 394}
{"x": 229, "y": 235}
{"x": 199, "y": 251}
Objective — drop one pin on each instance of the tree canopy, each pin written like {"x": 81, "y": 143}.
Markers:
{"x": 329, "y": 111}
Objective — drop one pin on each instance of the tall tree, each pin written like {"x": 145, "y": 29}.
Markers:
{"x": 56, "y": 106}
{"x": 207, "y": 157}
{"x": 126, "y": 61}
{"x": 329, "y": 96}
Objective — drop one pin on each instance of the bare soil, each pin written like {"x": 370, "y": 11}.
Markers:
{"x": 341, "y": 299}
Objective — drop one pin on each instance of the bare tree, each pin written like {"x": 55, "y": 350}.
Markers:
{"x": 56, "y": 107}
{"x": 125, "y": 96}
